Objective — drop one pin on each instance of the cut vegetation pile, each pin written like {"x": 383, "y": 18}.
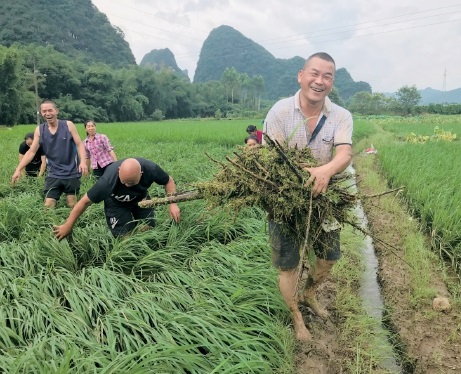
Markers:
{"x": 273, "y": 178}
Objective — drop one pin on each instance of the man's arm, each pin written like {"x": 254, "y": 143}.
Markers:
{"x": 83, "y": 168}
{"x": 65, "y": 229}
{"x": 27, "y": 158}
{"x": 42, "y": 166}
{"x": 321, "y": 175}
{"x": 170, "y": 189}
{"x": 23, "y": 172}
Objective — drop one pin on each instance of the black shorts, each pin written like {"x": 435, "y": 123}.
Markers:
{"x": 122, "y": 218}
{"x": 286, "y": 250}
{"x": 54, "y": 187}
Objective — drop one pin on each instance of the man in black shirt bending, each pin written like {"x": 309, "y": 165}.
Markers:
{"x": 124, "y": 184}
{"x": 38, "y": 164}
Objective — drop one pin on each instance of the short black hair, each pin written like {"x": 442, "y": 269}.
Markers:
{"x": 47, "y": 101}
{"x": 251, "y": 128}
{"x": 322, "y": 55}
{"x": 29, "y": 135}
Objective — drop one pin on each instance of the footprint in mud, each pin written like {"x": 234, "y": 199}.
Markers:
{"x": 318, "y": 355}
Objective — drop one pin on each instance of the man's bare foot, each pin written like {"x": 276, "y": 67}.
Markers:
{"x": 301, "y": 332}
{"x": 311, "y": 301}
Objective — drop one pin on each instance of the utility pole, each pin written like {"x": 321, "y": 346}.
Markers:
{"x": 36, "y": 95}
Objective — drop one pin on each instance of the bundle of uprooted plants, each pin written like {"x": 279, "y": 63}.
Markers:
{"x": 273, "y": 177}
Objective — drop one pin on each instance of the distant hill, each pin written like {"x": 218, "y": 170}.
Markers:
{"x": 347, "y": 87}
{"x": 73, "y": 27}
{"x": 431, "y": 96}
{"x": 226, "y": 47}
{"x": 162, "y": 58}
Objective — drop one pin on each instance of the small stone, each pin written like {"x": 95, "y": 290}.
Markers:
{"x": 441, "y": 304}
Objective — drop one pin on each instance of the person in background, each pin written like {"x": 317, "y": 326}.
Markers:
{"x": 122, "y": 186}
{"x": 62, "y": 147}
{"x": 251, "y": 141}
{"x": 252, "y": 130}
{"x": 310, "y": 119}
{"x": 37, "y": 166}
{"x": 99, "y": 151}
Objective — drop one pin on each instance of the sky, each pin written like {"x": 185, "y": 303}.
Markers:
{"x": 388, "y": 44}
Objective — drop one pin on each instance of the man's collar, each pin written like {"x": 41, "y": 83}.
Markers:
{"x": 326, "y": 109}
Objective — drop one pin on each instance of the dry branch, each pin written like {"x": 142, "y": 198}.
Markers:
{"x": 383, "y": 193}
{"x": 174, "y": 198}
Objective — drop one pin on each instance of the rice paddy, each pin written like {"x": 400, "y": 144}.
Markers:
{"x": 196, "y": 297}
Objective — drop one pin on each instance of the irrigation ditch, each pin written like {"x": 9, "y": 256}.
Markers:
{"x": 426, "y": 340}
{"x": 399, "y": 280}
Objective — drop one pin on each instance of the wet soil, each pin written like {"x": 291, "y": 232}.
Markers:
{"x": 429, "y": 342}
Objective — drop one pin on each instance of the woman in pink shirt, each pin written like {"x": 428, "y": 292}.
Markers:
{"x": 99, "y": 151}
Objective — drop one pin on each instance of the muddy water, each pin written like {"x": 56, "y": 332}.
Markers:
{"x": 371, "y": 296}
{"x": 370, "y": 292}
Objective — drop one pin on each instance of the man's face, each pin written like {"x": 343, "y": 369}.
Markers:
{"x": 48, "y": 111}
{"x": 316, "y": 80}
{"x": 29, "y": 141}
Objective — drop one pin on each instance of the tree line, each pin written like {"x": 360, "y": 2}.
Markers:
{"x": 84, "y": 90}
{"x": 405, "y": 103}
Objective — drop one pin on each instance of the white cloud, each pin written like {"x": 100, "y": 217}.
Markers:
{"x": 387, "y": 44}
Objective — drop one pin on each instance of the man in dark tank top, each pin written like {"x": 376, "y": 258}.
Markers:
{"x": 62, "y": 147}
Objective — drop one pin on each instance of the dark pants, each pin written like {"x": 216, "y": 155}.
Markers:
{"x": 55, "y": 187}
{"x": 122, "y": 217}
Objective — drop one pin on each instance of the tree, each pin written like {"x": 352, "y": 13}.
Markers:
{"x": 370, "y": 103}
{"x": 408, "y": 97}
{"x": 335, "y": 97}
{"x": 10, "y": 88}
{"x": 245, "y": 88}
{"x": 58, "y": 73}
{"x": 210, "y": 97}
{"x": 230, "y": 80}
{"x": 258, "y": 86}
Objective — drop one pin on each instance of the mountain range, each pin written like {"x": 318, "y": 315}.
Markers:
{"x": 99, "y": 41}
{"x": 226, "y": 47}
{"x": 432, "y": 96}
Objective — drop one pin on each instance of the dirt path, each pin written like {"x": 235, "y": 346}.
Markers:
{"x": 429, "y": 341}
{"x": 322, "y": 355}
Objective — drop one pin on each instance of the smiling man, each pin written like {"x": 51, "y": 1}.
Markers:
{"x": 61, "y": 145}
{"x": 310, "y": 119}
{"x": 123, "y": 185}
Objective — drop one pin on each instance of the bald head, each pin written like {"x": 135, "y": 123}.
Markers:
{"x": 130, "y": 172}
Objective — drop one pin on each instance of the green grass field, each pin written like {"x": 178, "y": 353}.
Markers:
{"x": 198, "y": 297}
{"x": 428, "y": 171}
